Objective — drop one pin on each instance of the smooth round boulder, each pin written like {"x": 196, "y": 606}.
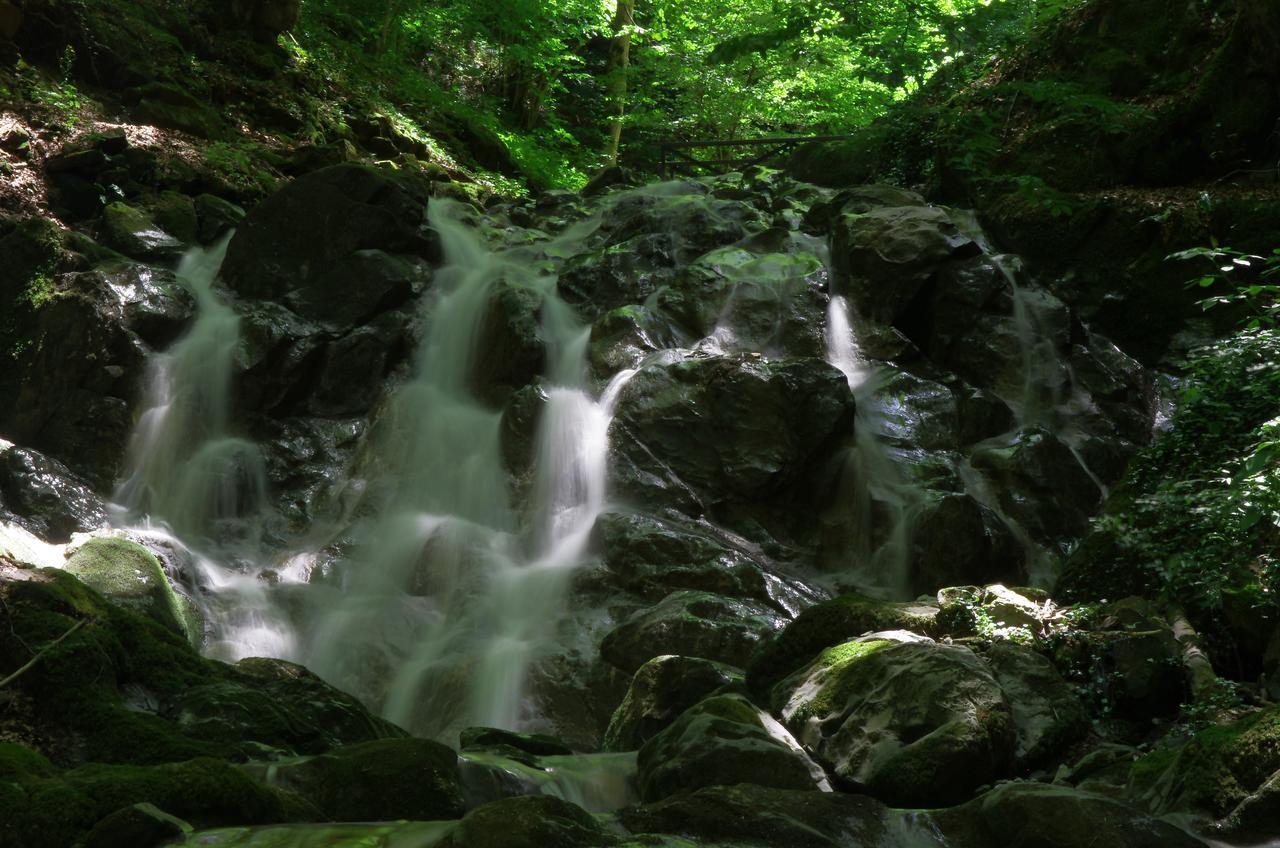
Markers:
{"x": 722, "y": 741}
{"x": 660, "y": 691}
{"x": 908, "y": 720}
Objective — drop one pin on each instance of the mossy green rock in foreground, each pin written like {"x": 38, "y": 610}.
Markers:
{"x": 913, "y": 722}
{"x": 131, "y": 576}
{"x": 719, "y": 742}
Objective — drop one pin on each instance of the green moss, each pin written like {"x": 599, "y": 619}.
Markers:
{"x": 130, "y": 575}
{"x": 20, "y": 764}
{"x": 1216, "y": 770}
{"x": 836, "y": 686}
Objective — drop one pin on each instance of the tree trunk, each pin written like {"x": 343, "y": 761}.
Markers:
{"x": 616, "y": 75}
{"x": 393, "y": 9}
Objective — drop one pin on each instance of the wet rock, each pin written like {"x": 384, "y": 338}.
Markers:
{"x": 531, "y": 821}
{"x": 910, "y": 721}
{"x": 215, "y": 217}
{"x": 1041, "y": 484}
{"x": 1036, "y": 815}
{"x": 722, "y": 741}
{"x": 130, "y": 575}
{"x": 751, "y": 301}
{"x": 495, "y": 739}
{"x": 510, "y": 340}
{"x": 832, "y": 623}
{"x": 46, "y": 496}
{"x": 1047, "y": 714}
{"x": 660, "y": 691}
{"x": 1215, "y": 771}
{"x": 381, "y": 780}
{"x": 956, "y": 540}
{"x": 696, "y": 223}
{"x": 357, "y": 287}
{"x": 175, "y": 213}
{"x": 111, "y": 803}
{"x": 293, "y": 239}
{"x": 754, "y": 815}
{"x": 133, "y": 232}
{"x": 887, "y": 254}
{"x": 268, "y": 702}
{"x": 137, "y": 826}
{"x": 697, "y": 433}
{"x": 621, "y": 274}
{"x": 651, "y": 557}
{"x": 698, "y": 624}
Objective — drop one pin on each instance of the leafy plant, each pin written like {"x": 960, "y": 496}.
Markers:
{"x": 1248, "y": 275}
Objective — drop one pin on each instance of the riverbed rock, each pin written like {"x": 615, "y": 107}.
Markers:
{"x": 1047, "y": 713}
{"x": 832, "y": 623}
{"x": 698, "y": 624}
{"x": 291, "y": 241}
{"x": 722, "y": 741}
{"x": 1036, "y": 815}
{"x": 530, "y": 821}
{"x": 702, "y": 434}
{"x": 749, "y": 814}
{"x": 384, "y": 779}
{"x": 130, "y": 575}
{"x": 134, "y": 233}
{"x": 661, "y": 690}
{"x": 47, "y": 497}
{"x": 137, "y": 825}
{"x": 912, "y": 722}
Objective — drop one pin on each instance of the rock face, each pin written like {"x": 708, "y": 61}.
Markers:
{"x": 908, "y": 720}
{"x": 662, "y": 689}
{"x": 43, "y": 495}
{"x": 723, "y": 741}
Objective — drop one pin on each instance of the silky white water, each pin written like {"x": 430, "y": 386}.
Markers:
{"x": 192, "y": 484}
{"x": 872, "y": 474}
{"x": 449, "y": 596}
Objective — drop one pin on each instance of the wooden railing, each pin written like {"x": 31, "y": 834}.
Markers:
{"x": 678, "y": 156}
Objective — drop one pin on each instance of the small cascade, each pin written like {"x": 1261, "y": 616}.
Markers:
{"x": 192, "y": 484}
{"x": 882, "y": 545}
{"x": 447, "y": 598}
{"x": 599, "y": 783}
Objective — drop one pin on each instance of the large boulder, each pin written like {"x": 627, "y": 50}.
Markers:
{"x": 697, "y": 624}
{"x": 130, "y": 575}
{"x": 1047, "y": 714}
{"x": 702, "y": 434}
{"x": 911, "y": 721}
{"x": 722, "y": 741}
{"x": 530, "y": 821}
{"x": 381, "y": 780}
{"x": 47, "y": 497}
{"x": 749, "y": 814}
{"x": 885, "y": 256}
{"x": 294, "y": 243}
{"x": 1036, "y": 815}
{"x": 661, "y": 690}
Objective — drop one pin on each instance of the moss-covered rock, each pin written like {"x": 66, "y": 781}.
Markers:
{"x": 753, "y": 815}
{"x": 1036, "y": 815}
{"x": 375, "y": 781}
{"x": 130, "y": 575}
{"x": 660, "y": 691}
{"x": 132, "y": 231}
{"x": 698, "y": 624}
{"x": 531, "y": 821}
{"x": 913, "y": 722}
{"x": 123, "y": 688}
{"x": 721, "y": 741}
{"x": 832, "y": 623}
{"x": 1047, "y": 714}
{"x": 136, "y": 826}
{"x": 1215, "y": 770}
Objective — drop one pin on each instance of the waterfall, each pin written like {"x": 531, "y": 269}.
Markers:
{"x": 191, "y": 483}
{"x": 872, "y": 474}
{"x": 447, "y": 601}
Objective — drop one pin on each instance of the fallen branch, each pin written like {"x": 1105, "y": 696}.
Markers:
{"x": 1200, "y": 673}
{"x": 35, "y": 659}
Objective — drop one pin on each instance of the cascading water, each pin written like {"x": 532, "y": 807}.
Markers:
{"x": 446, "y": 598}
{"x": 872, "y": 472}
{"x": 195, "y": 485}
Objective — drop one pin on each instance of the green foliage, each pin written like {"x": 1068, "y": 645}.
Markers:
{"x": 59, "y": 93}
{"x": 1249, "y": 276}
{"x": 1199, "y": 513}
